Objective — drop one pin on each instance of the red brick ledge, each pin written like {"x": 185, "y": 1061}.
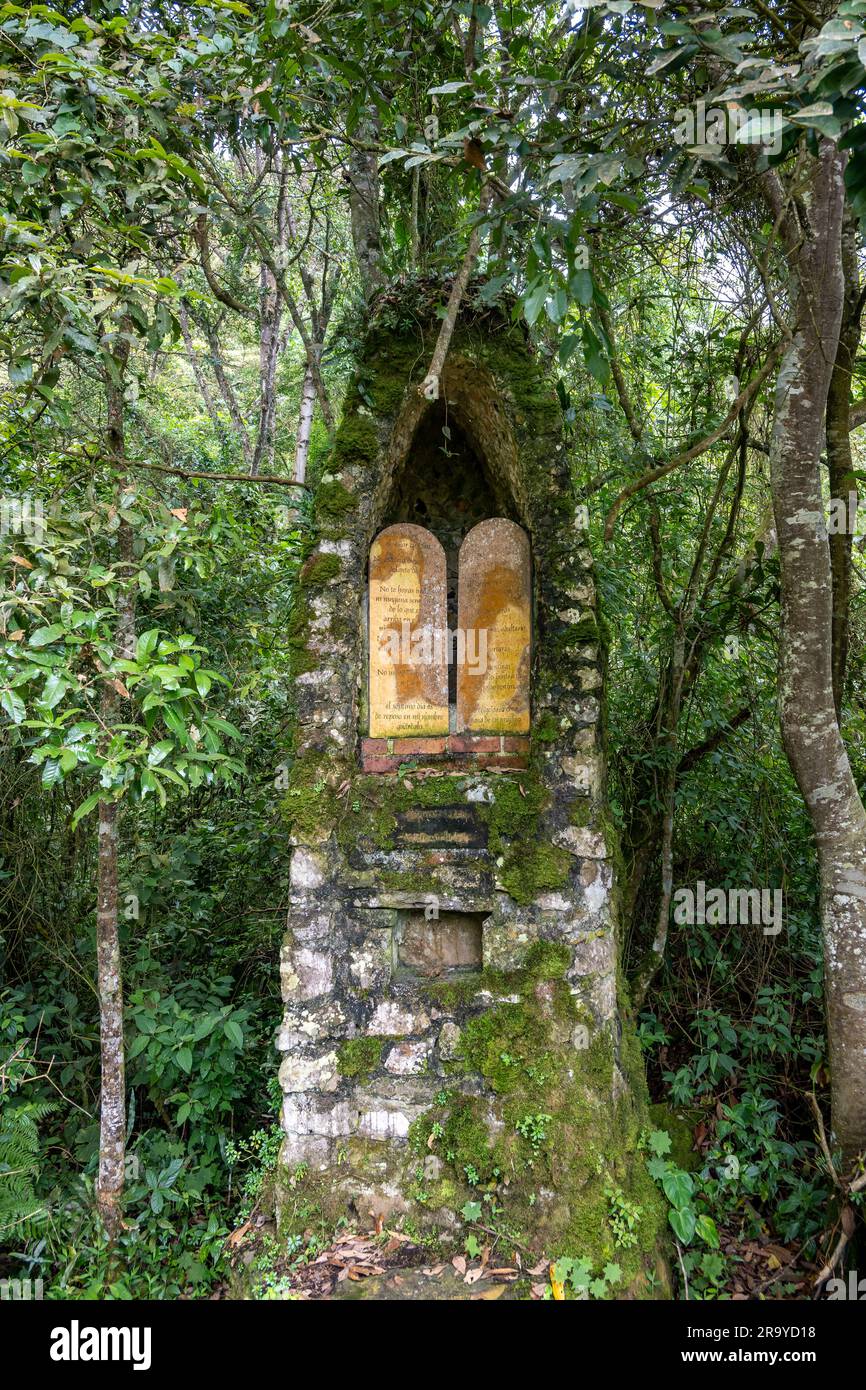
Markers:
{"x": 458, "y": 752}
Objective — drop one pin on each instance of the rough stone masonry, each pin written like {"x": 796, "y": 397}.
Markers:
{"x": 455, "y": 1024}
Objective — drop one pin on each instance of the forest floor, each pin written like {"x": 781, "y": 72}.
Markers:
{"x": 387, "y": 1265}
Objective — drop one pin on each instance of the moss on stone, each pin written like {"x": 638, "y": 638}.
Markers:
{"x": 555, "y": 1145}
{"x": 356, "y": 441}
{"x": 309, "y": 804}
{"x": 319, "y": 570}
{"x": 359, "y": 1057}
{"x": 545, "y": 728}
{"x": 333, "y": 503}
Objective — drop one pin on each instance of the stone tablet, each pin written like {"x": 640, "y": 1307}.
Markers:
{"x": 494, "y": 629}
{"x": 408, "y": 634}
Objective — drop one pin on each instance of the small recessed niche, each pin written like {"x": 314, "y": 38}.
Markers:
{"x": 450, "y": 944}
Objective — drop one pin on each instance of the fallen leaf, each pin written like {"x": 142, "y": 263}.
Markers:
{"x": 557, "y": 1287}
{"x": 495, "y": 1291}
{"x": 20, "y": 560}
{"x": 237, "y": 1236}
{"x": 473, "y": 1275}
{"x": 16, "y": 635}
{"x": 459, "y": 1264}
{"x": 179, "y": 512}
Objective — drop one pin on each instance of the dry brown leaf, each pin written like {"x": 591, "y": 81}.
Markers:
{"x": 179, "y": 512}
{"x": 538, "y": 1290}
{"x": 20, "y": 560}
{"x": 459, "y": 1263}
{"x": 473, "y": 1275}
{"x": 237, "y": 1236}
{"x": 16, "y": 635}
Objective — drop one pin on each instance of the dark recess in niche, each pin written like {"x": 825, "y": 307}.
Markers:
{"x": 450, "y": 944}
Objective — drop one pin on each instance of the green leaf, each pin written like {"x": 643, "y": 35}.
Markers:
{"x": 708, "y": 1231}
{"x": 678, "y": 1187}
{"x": 683, "y": 1224}
{"x": 13, "y": 705}
{"x": 184, "y": 1059}
{"x": 86, "y": 807}
{"x": 233, "y": 1033}
{"x": 660, "y": 1141}
{"x": 44, "y": 635}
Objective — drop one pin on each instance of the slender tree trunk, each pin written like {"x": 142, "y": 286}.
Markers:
{"x": 112, "y": 1106}
{"x": 840, "y": 466}
{"x": 269, "y": 342}
{"x": 305, "y": 426}
{"x": 363, "y": 176}
{"x": 226, "y": 388}
{"x": 808, "y": 711}
{"x": 195, "y": 363}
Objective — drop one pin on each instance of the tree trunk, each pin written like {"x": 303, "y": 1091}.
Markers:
{"x": 269, "y": 342}
{"x": 808, "y": 712}
{"x": 112, "y": 1105}
{"x": 363, "y": 176}
{"x": 195, "y": 364}
{"x": 226, "y": 387}
{"x": 843, "y": 483}
{"x": 305, "y": 425}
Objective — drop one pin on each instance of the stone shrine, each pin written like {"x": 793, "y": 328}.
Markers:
{"x": 455, "y": 1022}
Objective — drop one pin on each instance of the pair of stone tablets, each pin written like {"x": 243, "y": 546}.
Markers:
{"x": 410, "y": 645}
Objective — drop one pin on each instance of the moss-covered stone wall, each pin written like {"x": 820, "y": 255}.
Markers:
{"x": 518, "y": 1084}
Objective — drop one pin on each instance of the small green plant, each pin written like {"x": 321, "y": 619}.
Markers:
{"x": 534, "y": 1128}
{"x": 679, "y": 1187}
{"x": 623, "y": 1215}
{"x": 576, "y": 1276}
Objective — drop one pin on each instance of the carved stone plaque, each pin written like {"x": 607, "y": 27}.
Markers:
{"x": 408, "y": 636}
{"x": 494, "y": 629}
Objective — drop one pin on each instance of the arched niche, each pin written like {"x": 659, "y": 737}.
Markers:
{"x": 452, "y": 464}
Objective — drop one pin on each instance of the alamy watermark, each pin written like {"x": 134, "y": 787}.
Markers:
{"x": 22, "y": 516}
{"x": 426, "y": 646}
{"x": 729, "y": 125}
{"x": 719, "y": 907}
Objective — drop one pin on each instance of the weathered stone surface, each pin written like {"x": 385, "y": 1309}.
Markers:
{"x": 449, "y": 1041}
{"x": 580, "y": 840}
{"x": 310, "y": 1073}
{"x": 305, "y": 973}
{"x": 407, "y": 634}
{"x": 391, "y": 1018}
{"x": 370, "y": 963}
{"x": 408, "y": 1058}
{"x": 307, "y": 870}
{"x": 494, "y": 618}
